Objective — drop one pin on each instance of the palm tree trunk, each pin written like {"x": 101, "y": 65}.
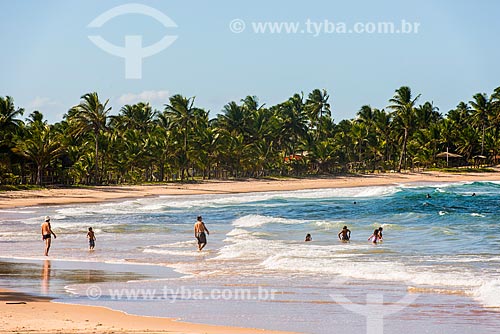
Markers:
{"x": 403, "y": 151}
{"x": 482, "y": 140}
{"x": 39, "y": 174}
{"x": 186, "y": 161}
{"x": 162, "y": 171}
{"x": 96, "y": 179}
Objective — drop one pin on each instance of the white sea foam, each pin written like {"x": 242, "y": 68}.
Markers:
{"x": 258, "y": 220}
{"x": 163, "y": 203}
{"x": 340, "y": 265}
{"x": 249, "y": 248}
{"x": 356, "y": 266}
{"x": 329, "y": 225}
{"x": 192, "y": 252}
{"x": 477, "y": 215}
{"x": 351, "y": 261}
{"x": 459, "y": 258}
{"x": 239, "y": 199}
{"x": 237, "y": 232}
{"x": 22, "y": 211}
{"x": 18, "y": 236}
{"x": 418, "y": 185}
{"x": 354, "y": 192}
{"x": 179, "y": 244}
{"x": 180, "y": 248}
{"x": 488, "y": 294}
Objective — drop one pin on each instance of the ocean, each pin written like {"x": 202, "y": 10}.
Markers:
{"x": 436, "y": 271}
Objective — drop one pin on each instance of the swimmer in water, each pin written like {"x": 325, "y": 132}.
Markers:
{"x": 374, "y": 237}
{"x": 344, "y": 234}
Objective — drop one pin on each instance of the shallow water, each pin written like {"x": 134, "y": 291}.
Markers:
{"x": 438, "y": 265}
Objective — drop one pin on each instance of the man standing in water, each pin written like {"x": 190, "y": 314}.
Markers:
{"x": 91, "y": 237}
{"x": 199, "y": 233}
{"x": 344, "y": 234}
{"x": 46, "y": 234}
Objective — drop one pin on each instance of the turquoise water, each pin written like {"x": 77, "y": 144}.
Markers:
{"x": 443, "y": 252}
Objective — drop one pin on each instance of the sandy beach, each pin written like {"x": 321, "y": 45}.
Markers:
{"x": 23, "y": 313}
{"x": 59, "y": 196}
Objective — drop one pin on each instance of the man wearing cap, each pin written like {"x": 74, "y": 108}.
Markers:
{"x": 46, "y": 234}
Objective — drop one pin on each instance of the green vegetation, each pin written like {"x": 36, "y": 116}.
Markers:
{"x": 10, "y": 187}
{"x": 295, "y": 138}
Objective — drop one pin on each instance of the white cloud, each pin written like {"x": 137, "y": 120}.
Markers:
{"x": 151, "y": 96}
{"x": 43, "y": 102}
{"x": 52, "y": 110}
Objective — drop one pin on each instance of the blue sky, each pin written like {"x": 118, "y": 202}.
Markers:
{"x": 47, "y": 60}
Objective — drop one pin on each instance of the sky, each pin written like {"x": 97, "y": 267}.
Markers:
{"x": 48, "y": 61}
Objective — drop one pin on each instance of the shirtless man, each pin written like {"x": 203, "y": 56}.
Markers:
{"x": 91, "y": 237}
{"x": 344, "y": 234}
{"x": 46, "y": 234}
{"x": 199, "y": 233}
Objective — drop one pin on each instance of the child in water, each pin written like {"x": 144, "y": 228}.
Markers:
{"x": 380, "y": 229}
{"x": 308, "y": 237}
{"x": 375, "y": 237}
{"x": 91, "y": 237}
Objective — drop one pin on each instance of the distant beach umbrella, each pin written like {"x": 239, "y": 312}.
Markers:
{"x": 448, "y": 155}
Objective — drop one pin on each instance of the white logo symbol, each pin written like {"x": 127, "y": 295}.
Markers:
{"x": 375, "y": 308}
{"x": 133, "y": 52}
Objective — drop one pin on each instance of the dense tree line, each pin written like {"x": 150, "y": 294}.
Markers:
{"x": 247, "y": 139}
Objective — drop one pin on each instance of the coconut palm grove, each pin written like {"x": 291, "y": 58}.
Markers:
{"x": 297, "y": 137}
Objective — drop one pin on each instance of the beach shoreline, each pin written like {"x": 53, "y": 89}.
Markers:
{"x": 78, "y": 318}
{"x": 18, "y": 310}
{"x": 61, "y": 196}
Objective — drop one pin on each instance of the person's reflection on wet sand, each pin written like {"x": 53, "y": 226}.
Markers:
{"x": 46, "y": 277}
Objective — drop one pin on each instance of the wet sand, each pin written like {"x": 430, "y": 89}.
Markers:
{"x": 24, "y": 313}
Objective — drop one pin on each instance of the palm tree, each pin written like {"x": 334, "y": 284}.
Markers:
{"x": 403, "y": 105}
{"x": 10, "y": 125}
{"x": 426, "y": 115}
{"x": 8, "y": 113}
{"x": 182, "y": 114}
{"x": 460, "y": 115}
{"x": 495, "y": 119}
{"x": 251, "y": 108}
{"x": 382, "y": 122}
{"x": 90, "y": 116}
{"x": 8, "y": 120}
{"x": 366, "y": 115}
{"x": 251, "y": 104}
{"x": 234, "y": 119}
{"x": 40, "y": 144}
{"x": 467, "y": 141}
{"x": 481, "y": 112}
{"x": 495, "y": 101}
{"x": 366, "y": 121}
{"x": 359, "y": 133}
{"x": 317, "y": 107}
{"x": 292, "y": 123}
{"x": 139, "y": 116}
